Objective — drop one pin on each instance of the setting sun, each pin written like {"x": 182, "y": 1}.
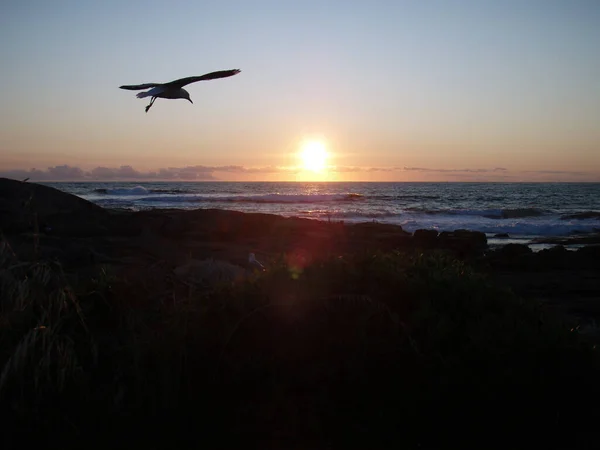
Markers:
{"x": 314, "y": 156}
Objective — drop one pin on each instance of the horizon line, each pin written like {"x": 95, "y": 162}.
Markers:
{"x": 125, "y": 180}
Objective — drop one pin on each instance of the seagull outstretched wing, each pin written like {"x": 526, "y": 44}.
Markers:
{"x": 209, "y": 76}
{"x": 137, "y": 87}
{"x": 183, "y": 81}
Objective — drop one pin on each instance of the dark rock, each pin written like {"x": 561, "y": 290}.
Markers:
{"x": 554, "y": 257}
{"x": 514, "y": 250}
{"x": 370, "y": 236}
{"x": 425, "y": 235}
{"x": 31, "y": 207}
{"x": 464, "y": 242}
{"x": 477, "y": 237}
{"x": 512, "y": 257}
{"x": 425, "y": 239}
{"x": 589, "y": 255}
{"x": 370, "y": 227}
{"x": 501, "y": 236}
{"x": 557, "y": 251}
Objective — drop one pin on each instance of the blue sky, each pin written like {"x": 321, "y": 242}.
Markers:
{"x": 438, "y": 85}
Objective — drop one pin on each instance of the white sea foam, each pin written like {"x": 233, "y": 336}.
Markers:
{"x": 137, "y": 190}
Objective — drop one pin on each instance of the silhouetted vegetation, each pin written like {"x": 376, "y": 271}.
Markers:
{"x": 375, "y": 350}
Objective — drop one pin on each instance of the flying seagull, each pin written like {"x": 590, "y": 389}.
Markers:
{"x": 174, "y": 89}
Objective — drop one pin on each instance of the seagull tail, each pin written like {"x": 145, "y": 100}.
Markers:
{"x": 143, "y": 94}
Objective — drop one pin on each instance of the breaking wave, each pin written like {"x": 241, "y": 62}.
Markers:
{"x": 516, "y": 213}
{"x": 358, "y": 214}
{"x": 266, "y": 198}
{"x": 581, "y": 215}
{"x": 139, "y": 190}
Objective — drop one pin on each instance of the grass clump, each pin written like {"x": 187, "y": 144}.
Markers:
{"x": 366, "y": 349}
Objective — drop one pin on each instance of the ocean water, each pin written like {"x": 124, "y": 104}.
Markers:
{"x": 523, "y": 210}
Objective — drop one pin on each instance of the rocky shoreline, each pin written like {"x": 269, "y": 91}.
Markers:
{"x": 43, "y": 222}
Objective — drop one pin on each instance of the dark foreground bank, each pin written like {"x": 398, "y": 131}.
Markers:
{"x": 152, "y": 328}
